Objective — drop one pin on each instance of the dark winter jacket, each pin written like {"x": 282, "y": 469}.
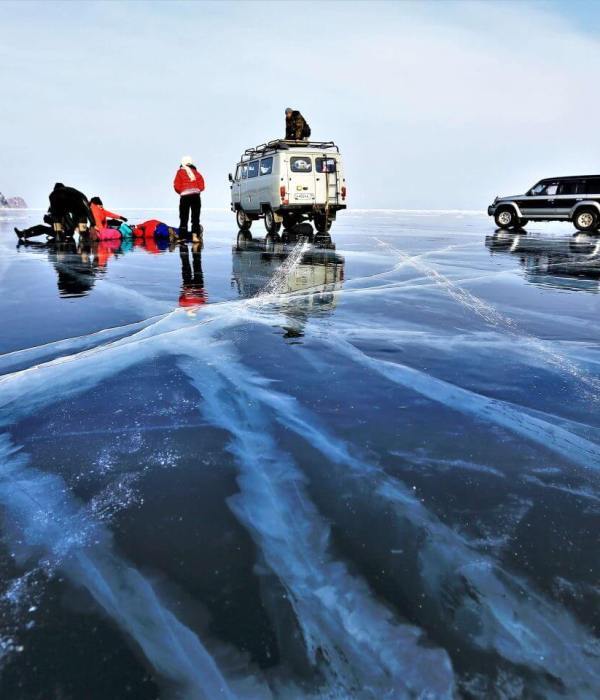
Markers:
{"x": 296, "y": 127}
{"x": 70, "y": 206}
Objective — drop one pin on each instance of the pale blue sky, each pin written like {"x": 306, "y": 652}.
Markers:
{"x": 435, "y": 105}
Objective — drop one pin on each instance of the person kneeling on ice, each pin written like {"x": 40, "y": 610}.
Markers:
{"x": 189, "y": 184}
{"x": 69, "y": 212}
{"x": 101, "y": 215}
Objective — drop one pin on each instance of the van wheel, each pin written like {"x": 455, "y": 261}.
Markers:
{"x": 523, "y": 223}
{"x": 505, "y": 217}
{"x": 585, "y": 219}
{"x": 322, "y": 223}
{"x": 271, "y": 225}
{"x": 242, "y": 220}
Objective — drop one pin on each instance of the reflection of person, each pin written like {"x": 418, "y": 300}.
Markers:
{"x": 192, "y": 287}
{"x": 296, "y": 126}
{"x": 69, "y": 211}
{"x": 73, "y": 265}
{"x": 189, "y": 184}
{"x": 101, "y": 215}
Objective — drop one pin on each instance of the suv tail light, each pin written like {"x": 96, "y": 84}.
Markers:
{"x": 282, "y": 194}
{"x": 344, "y": 192}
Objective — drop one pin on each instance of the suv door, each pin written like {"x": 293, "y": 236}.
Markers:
{"x": 568, "y": 194}
{"x": 236, "y": 186}
{"x": 540, "y": 201}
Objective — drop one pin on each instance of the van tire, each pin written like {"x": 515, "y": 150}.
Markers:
{"x": 323, "y": 223}
{"x": 585, "y": 219}
{"x": 522, "y": 223}
{"x": 505, "y": 217}
{"x": 242, "y": 220}
{"x": 271, "y": 225}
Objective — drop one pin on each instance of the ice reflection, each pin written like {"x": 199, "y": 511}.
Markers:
{"x": 307, "y": 287}
{"x": 567, "y": 262}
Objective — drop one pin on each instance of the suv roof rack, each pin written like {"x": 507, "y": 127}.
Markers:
{"x": 284, "y": 145}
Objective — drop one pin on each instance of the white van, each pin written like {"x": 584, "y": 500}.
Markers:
{"x": 287, "y": 182}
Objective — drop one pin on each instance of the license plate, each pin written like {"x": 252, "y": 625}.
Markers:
{"x": 303, "y": 195}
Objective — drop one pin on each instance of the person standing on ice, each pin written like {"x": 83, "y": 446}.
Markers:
{"x": 296, "y": 126}
{"x": 189, "y": 184}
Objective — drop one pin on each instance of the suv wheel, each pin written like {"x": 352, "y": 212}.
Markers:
{"x": 505, "y": 217}
{"x": 585, "y": 219}
{"x": 523, "y": 223}
{"x": 242, "y": 220}
{"x": 271, "y": 225}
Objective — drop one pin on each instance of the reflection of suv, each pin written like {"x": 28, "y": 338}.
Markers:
{"x": 575, "y": 199}
{"x": 286, "y": 182}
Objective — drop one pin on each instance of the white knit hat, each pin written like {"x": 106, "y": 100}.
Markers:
{"x": 186, "y": 160}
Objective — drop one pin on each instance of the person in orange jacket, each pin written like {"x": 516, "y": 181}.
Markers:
{"x": 189, "y": 184}
{"x": 101, "y": 215}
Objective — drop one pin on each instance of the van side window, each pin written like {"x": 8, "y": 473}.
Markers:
{"x": 244, "y": 171}
{"x": 238, "y": 173}
{"x": 266, "y": 166}
{"x": 253, "y": 168}
{"x": 325, "y": 165}
{"x": 301, "y": 164}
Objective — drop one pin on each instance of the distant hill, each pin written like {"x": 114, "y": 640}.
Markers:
{"x": 12, "y": 202}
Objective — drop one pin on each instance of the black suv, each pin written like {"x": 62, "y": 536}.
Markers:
{"x": 575, "y": 199}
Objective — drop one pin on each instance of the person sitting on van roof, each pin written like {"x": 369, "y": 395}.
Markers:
{"x": 296, "y": 126}
{"x": 189, "y": 184}
{"x": 101, "y": 215}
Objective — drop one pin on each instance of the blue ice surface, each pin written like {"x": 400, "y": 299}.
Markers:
{"x": 289, "y": 471}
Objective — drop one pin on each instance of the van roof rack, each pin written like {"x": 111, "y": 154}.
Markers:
{"x": 284, "y": 145}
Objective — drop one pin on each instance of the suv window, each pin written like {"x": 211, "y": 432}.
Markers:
{"x": 571, "y": 187}
{"x": 253, "y": 168}
{"x": 325, "y": 165}
{"x": 593, "y": 185}
{"x": 244, "y": 171}
{"x": 266, "y": 166}
{"x": 544, "y": 189}
{"x": 301, "y": 164}
{"x": 238, "y": 172}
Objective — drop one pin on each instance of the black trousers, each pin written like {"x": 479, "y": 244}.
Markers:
{"x": 189, "y": 203}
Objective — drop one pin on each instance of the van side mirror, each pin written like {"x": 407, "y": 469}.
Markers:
{"x": 230, "y": 177}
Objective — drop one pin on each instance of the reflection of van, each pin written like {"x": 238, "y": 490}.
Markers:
{"x": 286, "y": 182}
{"x": 319, "y": 273}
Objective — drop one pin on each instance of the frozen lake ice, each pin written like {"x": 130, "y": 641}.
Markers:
{"x": 288, "y": 472}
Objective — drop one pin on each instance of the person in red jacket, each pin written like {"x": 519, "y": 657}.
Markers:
{"x": 101, "y": 215}
{"x": 189, "y": 184}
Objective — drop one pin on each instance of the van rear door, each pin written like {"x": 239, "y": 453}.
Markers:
{"x": 326, "y": 179}
{"x": 301, "y": 180}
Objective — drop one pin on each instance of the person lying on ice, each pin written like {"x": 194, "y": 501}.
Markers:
{"x": 101, "y": 215}
{"x": 69, "y": 211}
{"x": 189, "y": 184}
{"x": 296, "y": 126}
